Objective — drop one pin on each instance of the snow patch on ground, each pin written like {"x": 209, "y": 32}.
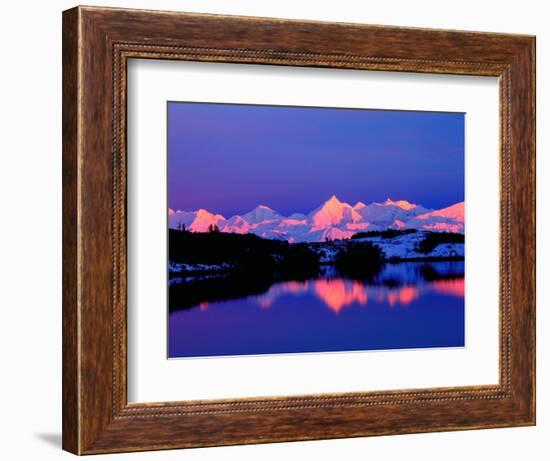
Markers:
{"x": 400, "y": 247}
{"x": 184, "y": 268}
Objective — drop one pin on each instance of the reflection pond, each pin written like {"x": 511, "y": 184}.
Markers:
{"x": 404, "y": 305}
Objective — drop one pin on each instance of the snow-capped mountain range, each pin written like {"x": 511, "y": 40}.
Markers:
{"x": 332, "y": 220}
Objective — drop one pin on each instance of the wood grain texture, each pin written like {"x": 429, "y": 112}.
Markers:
{"x": 70, "y": 384}
{"x": 97, "y": 43}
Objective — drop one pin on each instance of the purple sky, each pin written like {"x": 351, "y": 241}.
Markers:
{"x": 229, "y": 158}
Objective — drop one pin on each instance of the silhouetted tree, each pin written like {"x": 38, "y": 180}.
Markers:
{"x": 213, "y": 228}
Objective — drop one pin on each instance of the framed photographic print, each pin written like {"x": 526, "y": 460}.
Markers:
{"x": 273, "y": 282}
{"x": 284, "y": 230}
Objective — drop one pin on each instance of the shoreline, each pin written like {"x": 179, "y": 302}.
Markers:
{"x": 225, "y": 270}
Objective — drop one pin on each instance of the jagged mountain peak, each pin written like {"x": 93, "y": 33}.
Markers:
{"x": 333, "y": 199}
{"x": 333, "y": 212}
{"x": 261, "y": 213}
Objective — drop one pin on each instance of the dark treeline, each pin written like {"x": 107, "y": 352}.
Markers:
{"x": 386, "y": 234}
{"x": 250, "y": 251}
{"x": 244, "y": 252}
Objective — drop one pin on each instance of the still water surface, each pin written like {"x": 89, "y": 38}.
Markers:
{"x": 406, "y": 305}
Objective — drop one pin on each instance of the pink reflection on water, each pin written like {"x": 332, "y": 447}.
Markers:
{"x": 404, "y": 295}
{"x": 336, "y": 294}
{"x": 275, "y": 291}
{"x": 453, "y": 287}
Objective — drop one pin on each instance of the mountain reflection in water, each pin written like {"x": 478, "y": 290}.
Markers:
{"x": 340, "y": 293}
{"x": 405, "y": 305}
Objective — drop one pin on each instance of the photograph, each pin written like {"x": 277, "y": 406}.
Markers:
{"x": 312, "y": 229}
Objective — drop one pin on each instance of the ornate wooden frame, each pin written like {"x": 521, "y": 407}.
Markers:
{"x": 97, "y": 43}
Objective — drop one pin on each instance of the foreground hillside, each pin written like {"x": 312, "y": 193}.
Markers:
{"x": 333, "y": 220}
{"x": 217, "y": 251}
{"x": 400, "y": 245}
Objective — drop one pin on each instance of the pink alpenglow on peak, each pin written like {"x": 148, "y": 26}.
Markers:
{"x": 398, "y": 224}
{"x": 333, "y": 220}
{"x": 450, "y": 219}
{"x": 333, "y": 213}
{"x": 455, "y": 212}
{"x": 204, "y": 219}
{"x": 235, "y": 225}
{"x": 403, "y": 204}
{"x": 195, "y": 221}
